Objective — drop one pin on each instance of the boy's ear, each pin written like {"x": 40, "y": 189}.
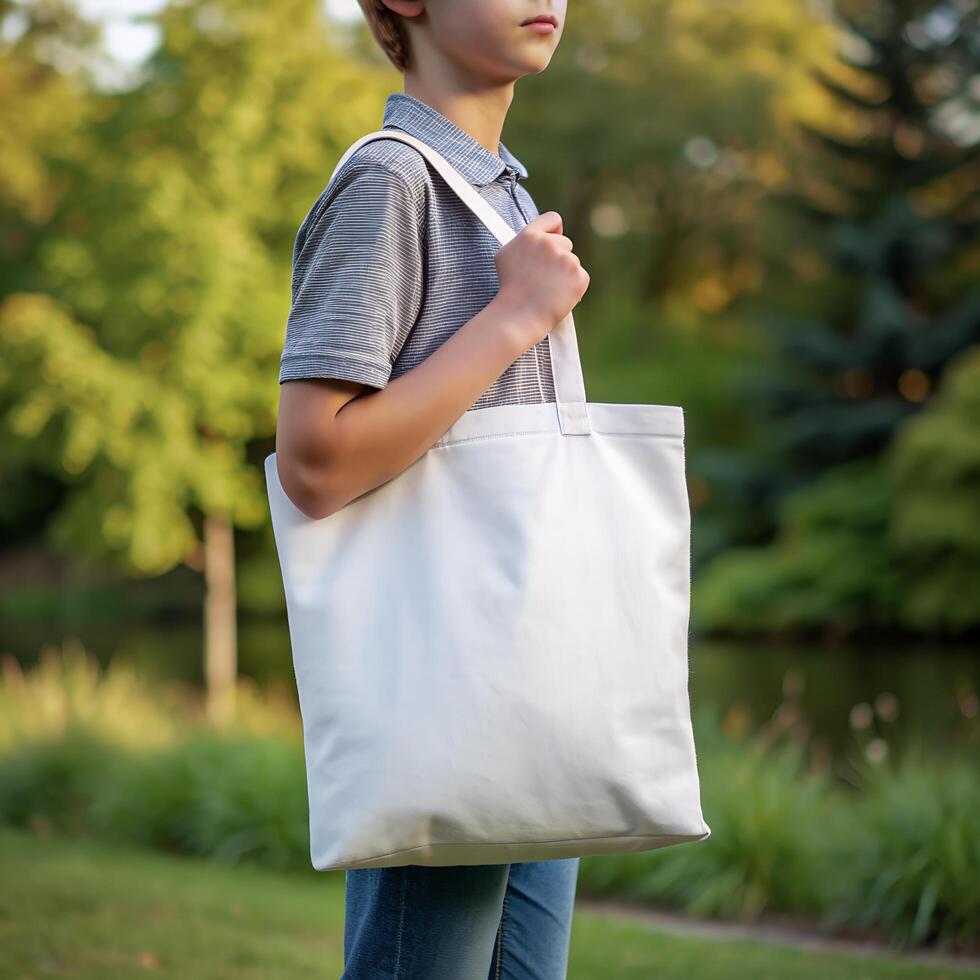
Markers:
{"x": 404, "y": 8}
{"x": 385, "y": 18}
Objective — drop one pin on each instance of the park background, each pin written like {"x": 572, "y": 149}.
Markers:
{"x": 778, "y": 204}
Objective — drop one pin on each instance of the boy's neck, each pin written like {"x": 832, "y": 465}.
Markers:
{"x": 480, "y": 114}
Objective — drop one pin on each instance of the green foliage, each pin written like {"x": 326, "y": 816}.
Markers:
{"x": 149, "y": 798}
{"x": 892, "y": 189}
{"x": 258, "y": 578}
{"x": 141, "y": 312}
{"x": 43, "y": 112}
{"x": 127, "y": 439}
{"x": 827, "y": 566}
{"x": 230, "y": 799}
{"x": 871, "y": 544}
{"x": 935, "y": 528}
{"x": 664, "y": 123}
{"x": 253, "y": 804}
{"x": 104, "y": 751}
{"x": 68, "y": 691}
{"x": 914, "y": 850}
{"x": 52, "y": 784}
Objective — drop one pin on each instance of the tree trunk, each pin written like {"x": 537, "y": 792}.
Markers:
{"x": 220, "y": 631}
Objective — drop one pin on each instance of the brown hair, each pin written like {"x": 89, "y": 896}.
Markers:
{"x": 387, "y": 29}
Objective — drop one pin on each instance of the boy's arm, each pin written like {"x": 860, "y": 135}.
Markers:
{"x": 333, "y": 446}
{"x": 357, "y": 291}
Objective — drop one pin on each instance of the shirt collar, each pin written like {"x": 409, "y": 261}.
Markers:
{"x": 472, "y": 159}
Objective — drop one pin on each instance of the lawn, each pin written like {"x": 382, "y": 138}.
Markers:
{"x": 91, "y": 911}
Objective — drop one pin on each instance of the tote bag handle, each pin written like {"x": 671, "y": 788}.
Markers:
{"x": 566, "y": 365}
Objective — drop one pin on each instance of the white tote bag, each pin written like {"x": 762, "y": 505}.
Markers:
{"x": 490, "y": 648}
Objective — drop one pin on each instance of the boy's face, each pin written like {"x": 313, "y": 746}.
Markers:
{"x": 492, "y": 38}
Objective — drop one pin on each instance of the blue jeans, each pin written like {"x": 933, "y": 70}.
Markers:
{"x": 464, "y": 922}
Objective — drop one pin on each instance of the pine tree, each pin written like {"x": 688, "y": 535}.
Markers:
{"x": 906, "y": 210}
{"x": 900, "y": 206}
{"x": 899, "y": 209}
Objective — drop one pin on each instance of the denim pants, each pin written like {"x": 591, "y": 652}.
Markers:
{"x": 463, "y": 922}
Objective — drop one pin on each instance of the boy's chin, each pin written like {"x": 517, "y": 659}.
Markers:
{"x": 530, "y": 65}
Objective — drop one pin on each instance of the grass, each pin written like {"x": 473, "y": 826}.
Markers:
{"x": 92, "y": 911}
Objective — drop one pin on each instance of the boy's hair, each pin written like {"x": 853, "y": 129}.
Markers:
{"x": 387, "y": 29}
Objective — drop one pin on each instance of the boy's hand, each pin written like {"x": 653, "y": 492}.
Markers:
{"x": 541, "y": 278}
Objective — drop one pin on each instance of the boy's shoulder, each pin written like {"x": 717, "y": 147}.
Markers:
{"x": 387, "y": 159}
{"x": 388, "y": 172}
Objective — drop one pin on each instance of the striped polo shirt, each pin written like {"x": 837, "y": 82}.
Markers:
{"x": 388, "y": 263}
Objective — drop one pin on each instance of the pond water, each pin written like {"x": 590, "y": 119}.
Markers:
{"x": 929, "y": 687}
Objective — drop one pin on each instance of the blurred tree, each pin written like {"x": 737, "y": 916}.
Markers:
{"x": 142, "y": 319}
{"x": 934, "y": 532}
{"x": 44, "y": 112}
{"x": 899, "y": 197}
{"x": 868, "y": 545}
{"x": 656, "y": 132}
{"x": 41, "y": 108}
{"x": 829, "y": 570}
{"x": 901, "y": 200}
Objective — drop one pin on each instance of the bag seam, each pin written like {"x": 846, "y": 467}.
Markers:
{"x": 551, "y": 432}
{"x": 500, "y": 938}
{"x": 680, "y": 838}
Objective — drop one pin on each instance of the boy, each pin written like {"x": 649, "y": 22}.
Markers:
{"x": 405, "y": 314}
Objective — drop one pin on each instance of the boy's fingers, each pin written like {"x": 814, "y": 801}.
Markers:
{"x": 548, "y": 221}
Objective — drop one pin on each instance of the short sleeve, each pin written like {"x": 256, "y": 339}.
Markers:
{"x": 357, "y": 278}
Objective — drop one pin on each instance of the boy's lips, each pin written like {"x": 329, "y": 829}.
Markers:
{"x": 542, "y": 24}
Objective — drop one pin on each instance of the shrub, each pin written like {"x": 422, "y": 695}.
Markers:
{"x": 914, "y": 865}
